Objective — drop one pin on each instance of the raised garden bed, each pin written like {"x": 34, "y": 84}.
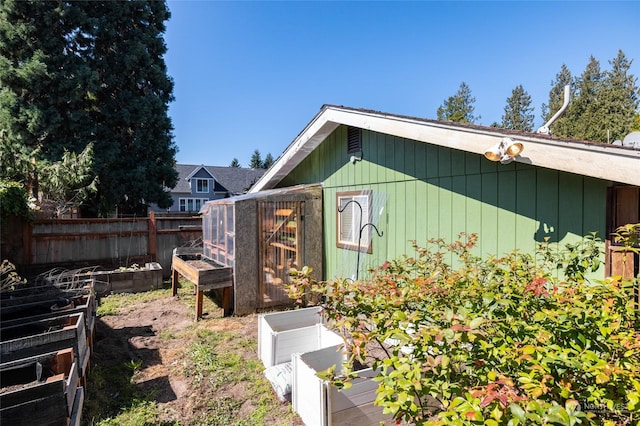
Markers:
{"x": 41, "y": 390}
{"x": 46, "y": 335}
{"x": 205, "y": 274}
{"x": 318, "y": 402}
{"x": 16, "y": 314}
{"x": 281, "y": 334}
{"x": 131, "y": 280}
{"x": 300, "y": 337}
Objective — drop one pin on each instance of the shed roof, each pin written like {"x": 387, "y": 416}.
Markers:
{"x": 235, "y": 179}
{"x": 603, "y": 161}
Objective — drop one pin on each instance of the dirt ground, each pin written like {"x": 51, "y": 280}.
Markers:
{"x": 138, "y": 334}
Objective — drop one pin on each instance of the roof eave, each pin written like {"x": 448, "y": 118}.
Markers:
{"x": 584, "y": 158}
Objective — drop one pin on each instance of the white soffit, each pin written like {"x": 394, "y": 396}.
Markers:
{"x": 602, "y": 161}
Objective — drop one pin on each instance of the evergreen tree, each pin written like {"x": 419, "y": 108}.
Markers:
{"x": 17, "y": 164}
{"x": 584, "y": 109}
{"x": 268, "y": 161}
{"x": 459, "y": 107}
{"x": 67, "y": 183}
{"x": 75, "y": 73}
{"x": 44, "y": 81}
{"x": 618, "y": 101}
{"x": 235, "y": 163}
{"x": 135, "y": 153}
{"x": 256, "y": 160}
{"x": 518, "y": 113}
{"x": 563, "y": 125}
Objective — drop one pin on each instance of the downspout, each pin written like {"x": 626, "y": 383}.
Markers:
{"x": 545, "y": 130}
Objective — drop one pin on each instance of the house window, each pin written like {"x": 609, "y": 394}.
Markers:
{"x": 354, "y": 212}
{"x": 191, "y": 204}
{"x": 202, "y": 185}
{"x": 354, "y": 140}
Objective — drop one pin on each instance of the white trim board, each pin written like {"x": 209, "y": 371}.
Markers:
{"x": 602, "y": 161}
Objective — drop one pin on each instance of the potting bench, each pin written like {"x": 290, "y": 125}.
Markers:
{"x": 205, "y": 274}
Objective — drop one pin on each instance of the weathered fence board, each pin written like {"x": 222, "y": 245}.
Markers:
{"x": 33, "y": 246}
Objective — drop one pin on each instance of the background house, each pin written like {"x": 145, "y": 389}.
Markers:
{"x": 199, "y": 184}
{"x": 389, "y": 179}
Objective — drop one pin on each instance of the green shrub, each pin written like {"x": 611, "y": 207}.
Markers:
{"x": 497, "y": 341}
{"x": 13, "y": 200}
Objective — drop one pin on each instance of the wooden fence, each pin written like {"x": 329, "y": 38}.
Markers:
{"x": 112, "y": 242}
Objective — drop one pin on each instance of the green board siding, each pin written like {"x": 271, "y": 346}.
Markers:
{"x": 445, "y": 219}
{"x": 506, "y": 207}
{"x": 473, "y": 221}
{"x": 436, "y": 192}
{"x": 526, "y": 224}
{"x": 489, "y": 213}
{"x": 595, "y": 205}
{"x": 410, "y": 212}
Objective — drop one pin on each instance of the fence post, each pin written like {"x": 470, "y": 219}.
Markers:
{"x": 27, "y": 233}
{"x": 153, "y": 233}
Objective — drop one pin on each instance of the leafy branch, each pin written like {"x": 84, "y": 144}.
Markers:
{"x": 494, "y": 340}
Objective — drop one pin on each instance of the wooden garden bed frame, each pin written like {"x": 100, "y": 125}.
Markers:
{"x": 205, "y": 275}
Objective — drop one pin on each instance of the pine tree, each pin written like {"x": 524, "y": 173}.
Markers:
{"x": 459, "y": 107}
{"x": 235, "y": 163}
{"x": 135, "y": 153}
{"x": 44, "y": 81}
{"x": 562, "y": 126}
{"x": 268, "y": 161}
{"x": 75, "y": 73}
{"x": 584, "y": 110}
{"x": 518, "y": 113}
{"x": 16, "y": 161}
{"x": 256, "y": 160}
{"x": 68, "y": 182}
{"x": 618, "y": 101}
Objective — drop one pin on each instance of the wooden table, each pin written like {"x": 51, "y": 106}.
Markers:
{"x": 205, "y": 275}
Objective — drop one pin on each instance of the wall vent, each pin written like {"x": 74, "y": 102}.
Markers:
{"x": 354, "y": 140}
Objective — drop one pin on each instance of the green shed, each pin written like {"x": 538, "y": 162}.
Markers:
{"x": 389, "y": 179}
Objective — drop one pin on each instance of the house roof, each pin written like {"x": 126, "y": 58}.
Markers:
{"x": 235, "y": 179}
{"x": 603, "y": 161}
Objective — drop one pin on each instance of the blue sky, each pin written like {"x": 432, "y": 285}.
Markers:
{"x": 251, "y": 75}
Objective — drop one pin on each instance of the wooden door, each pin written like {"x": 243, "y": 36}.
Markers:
{"x": 623, "y": 209}
{"x": 281, "y": 247}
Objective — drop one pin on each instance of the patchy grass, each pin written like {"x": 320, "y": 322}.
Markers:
{"x": 115, "y": 304}
{"x": 140, "y": 412}
{"x": 156, "y": 346}
{"x": 111, "y": 390}
{"x": 219, "y": 363}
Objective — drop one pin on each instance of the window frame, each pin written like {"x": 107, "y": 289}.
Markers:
{"x": 196, "y": 202}
{"x": 197, "y": 185}
{"x": 343, "y": 199}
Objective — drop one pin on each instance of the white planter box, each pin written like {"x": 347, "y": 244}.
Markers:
{"x": 317, "y": 402}
{"x": 282, "y": 334}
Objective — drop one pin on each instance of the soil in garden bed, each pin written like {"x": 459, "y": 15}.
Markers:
{"x": 144, "y": 347}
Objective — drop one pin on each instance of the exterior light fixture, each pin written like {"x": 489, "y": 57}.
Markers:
{"x": 504, "y": 151}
